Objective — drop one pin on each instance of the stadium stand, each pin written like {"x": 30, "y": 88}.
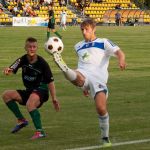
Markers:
{"x": 34, "y": 9}
{"x": 4, "y": 17}
{"x": 128, "y": 17}
{"x": 97, "y": 10}
{"x": 103, "y": 11}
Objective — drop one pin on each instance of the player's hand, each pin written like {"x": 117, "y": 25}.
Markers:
{"x": 121, "y": 58}
{"x": 122, "y": 65}
{"x": 7, "y": 71}
{"x": 56, "y": 104}
{"x": 86, "y": 93}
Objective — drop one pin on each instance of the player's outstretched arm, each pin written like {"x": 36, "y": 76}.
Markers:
{"x": 121, "y": 58}
{"x": 52, "y": 90}
{"x": 7, "y": 71}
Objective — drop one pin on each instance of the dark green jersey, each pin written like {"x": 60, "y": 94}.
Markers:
{"x": 35, "y": 75}
{"x": 51, "y": 15}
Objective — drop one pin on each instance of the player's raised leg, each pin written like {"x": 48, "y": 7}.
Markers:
{"x": 54, "y": 46}
{"x": 73, "y": 76}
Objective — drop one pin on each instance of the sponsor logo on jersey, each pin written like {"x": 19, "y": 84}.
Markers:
{"x": 85, "y": 56}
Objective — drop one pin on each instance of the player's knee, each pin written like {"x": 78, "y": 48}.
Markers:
{"x": 80, "y": 80}
{"x": 9, "y": 95}
{"x": 77, "y": 83}
{"x": 5, "y": 95}
{"x": 101, "y": 110}
{"x": 30, "y": 106}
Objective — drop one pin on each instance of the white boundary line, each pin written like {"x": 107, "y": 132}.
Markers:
{"x": 115, "y": 144}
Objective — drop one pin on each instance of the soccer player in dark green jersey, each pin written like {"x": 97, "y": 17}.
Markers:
{"x": 51, "y": 22}
{"x": 38, "y": 81}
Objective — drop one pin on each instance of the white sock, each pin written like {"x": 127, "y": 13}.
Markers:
{"x": 104, "y": 125}
{"x": 70, "y": 74}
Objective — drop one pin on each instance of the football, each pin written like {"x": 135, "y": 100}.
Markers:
{"x": 54, "y": 44}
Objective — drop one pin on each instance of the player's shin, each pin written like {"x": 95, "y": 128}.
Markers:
{"x": 48, "y": 34}
{"x": 58, "y": 35}
{"x": 12, "y": 105}
{"x": 70, "y": 75}
{"x": 36, "y": 118}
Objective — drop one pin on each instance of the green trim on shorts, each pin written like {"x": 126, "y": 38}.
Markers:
{"x": 43, "y": 86}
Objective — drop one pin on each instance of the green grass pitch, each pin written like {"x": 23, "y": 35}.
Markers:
{"x": 76, "y": 125}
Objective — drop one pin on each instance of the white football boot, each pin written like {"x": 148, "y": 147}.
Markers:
{"x": 60, "y": 62}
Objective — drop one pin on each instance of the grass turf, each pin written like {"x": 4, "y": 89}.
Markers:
{"x": 76, "y": 125}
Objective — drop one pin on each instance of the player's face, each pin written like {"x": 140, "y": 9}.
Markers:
{"x": 31, "y": 48}
{"x": 88, "y": 33}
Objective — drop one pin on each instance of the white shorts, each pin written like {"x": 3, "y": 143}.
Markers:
{"x": 63, "y": 22}
{"x": 93, "y": 84}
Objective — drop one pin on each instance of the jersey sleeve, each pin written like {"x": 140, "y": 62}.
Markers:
{"x": 16, "y": 65}
{"x": 110, "y": 47}
{"x": 78, "y": 46}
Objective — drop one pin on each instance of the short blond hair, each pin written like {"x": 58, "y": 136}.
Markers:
{"x": 88, "y": 22}
{"x": 31, "y": 40}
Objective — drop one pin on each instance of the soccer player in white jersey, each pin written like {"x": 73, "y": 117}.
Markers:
{"x": 63, "y": 19}
{"x": 92, "y": 74}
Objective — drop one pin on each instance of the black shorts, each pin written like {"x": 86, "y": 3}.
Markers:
{"x": 43, "y": 94}
{"x": 51, "y": 25}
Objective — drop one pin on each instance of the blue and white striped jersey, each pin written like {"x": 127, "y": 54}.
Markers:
{"x": 94, "y": 57}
